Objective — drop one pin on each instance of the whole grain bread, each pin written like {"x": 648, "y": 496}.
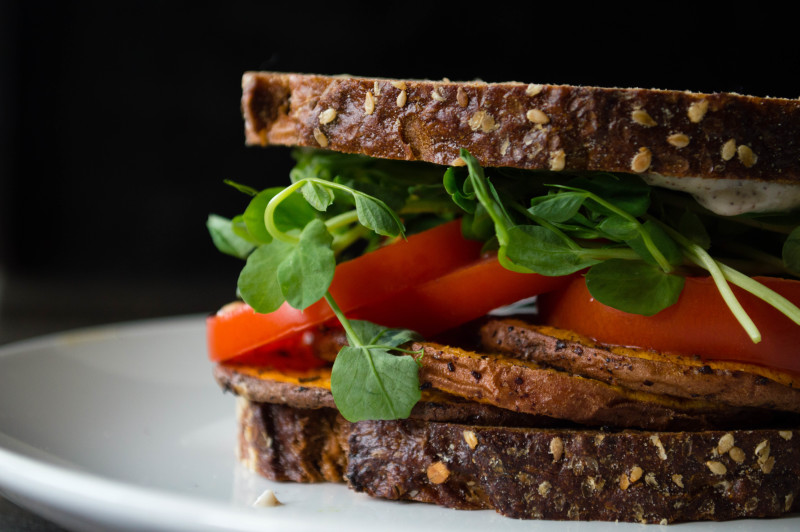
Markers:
{"x": 527, "y": 473}
{"x": 530, "y": 126}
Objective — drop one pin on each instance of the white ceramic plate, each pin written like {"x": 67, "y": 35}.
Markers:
{"x": 123, "y": 428}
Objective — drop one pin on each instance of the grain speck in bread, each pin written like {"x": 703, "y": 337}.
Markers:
{"x": 672, "y": 133}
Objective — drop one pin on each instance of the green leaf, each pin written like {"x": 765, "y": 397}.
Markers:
{"x": 665, "y": 244}
{"x": 626, "y": 192}
{"x": 294, "y": 212}
{"x": 457, "y": 184}
{"x": 253, "y": 216}
{"x": 791, "y": 252}
{"x": 618, "y": 228}
{"x": 477, "y": 226}
{"x": 239, "y": 227}
{"x": 225, "y": 238}
{"x": 493, "y": 207}
{"x": 692, "y": 228}
{"x": 317, "y": 196}
{"x": 258, "y": 282}
{"x": 307, "y": 271}
{"x": 373, "y": 384}
{"x": 544, "y": 252}
{"x": 369, "y": 333}
{"x": 558, "y": 207}
{"x": 375, "y": 215}
{"x": 393, "y": 195}
{"x": 633, "y": 286}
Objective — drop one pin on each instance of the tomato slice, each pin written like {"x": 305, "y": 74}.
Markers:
{"x": 698, "y": 324}
{"x": 460, "y": 296}
{"x": 365, "y": 280}
{"x": 432, "y": 282}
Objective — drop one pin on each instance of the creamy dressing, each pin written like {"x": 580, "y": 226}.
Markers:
{"x": 729, "y": 197}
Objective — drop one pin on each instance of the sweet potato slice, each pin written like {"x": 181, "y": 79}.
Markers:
{"x": 731, "y": 384}
{"x": 527, "y": 387}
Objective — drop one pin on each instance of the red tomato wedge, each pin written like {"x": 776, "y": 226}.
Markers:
{"x": 432, "y": 282}
{"x": 698, "y": 324}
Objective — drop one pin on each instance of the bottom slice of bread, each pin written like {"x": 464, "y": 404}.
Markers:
{"x": 529, "y": 473}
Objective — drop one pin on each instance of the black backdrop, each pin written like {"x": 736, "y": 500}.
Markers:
{"x": 120, "y": 119}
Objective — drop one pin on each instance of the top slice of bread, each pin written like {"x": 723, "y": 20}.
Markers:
{"x": 556, "y": 127}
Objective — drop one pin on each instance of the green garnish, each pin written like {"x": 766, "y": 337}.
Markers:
{"x": 636, "y": 242}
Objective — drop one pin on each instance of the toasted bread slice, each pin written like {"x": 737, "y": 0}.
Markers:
{"x": 552, "y": 127}
{"x": 531, "y": 473}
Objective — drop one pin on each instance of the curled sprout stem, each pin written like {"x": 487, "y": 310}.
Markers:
{"x": 269, "y": 213}
{"x": 340, "y": 220}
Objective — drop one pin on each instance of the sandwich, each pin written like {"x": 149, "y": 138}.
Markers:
{"x": 557, "y": 302}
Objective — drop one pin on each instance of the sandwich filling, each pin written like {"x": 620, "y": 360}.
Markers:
{"x": 413, "y": 248}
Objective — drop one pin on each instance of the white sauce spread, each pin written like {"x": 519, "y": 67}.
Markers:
{"x": 729, "y": 197}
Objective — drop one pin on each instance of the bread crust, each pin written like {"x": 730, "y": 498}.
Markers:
{"x": 528, "y": 473}
{"x": 672, "y": 133}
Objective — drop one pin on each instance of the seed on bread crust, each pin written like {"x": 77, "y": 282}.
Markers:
{"x": 399, "y": 85}
{"x": 641, "y": 117}
{"x": 679, "y": 140}
{"x": 642, "y": 160}
{"x": 718, "y": 468}
{"x": 471, "y": 439}
{"x": 544, "y": 488}
{"x": 327, "y": 116}
{"x": 697, "y": 111}
{"x": 736, "y": 454}
{"x": 533, "y": 89}
{"x": 537, "y": 116}
{"x": 436, "y": 95}
{"x": 402, "y": 98}
{"x": 320, "y": 137}
{"x": 728, "y": 150}
{"x": 482, "y": 121}
{"x": 461, "y": 97}
{"x": 437, "y": 472}
{"x": 662, "y": 453}
{"x": 558, "y": 160}
{"x": 369, "y": 103}
{"x": 556, "y": 448}
{"x": 746, "y": 155}
{"x": 504, "y": 146}
{"x": 725, "y": 443}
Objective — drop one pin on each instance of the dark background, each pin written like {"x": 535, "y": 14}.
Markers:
{"x": 119, "y": 120}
